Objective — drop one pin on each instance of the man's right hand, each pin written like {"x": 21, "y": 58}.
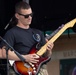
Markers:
{"x": 31, "y": 58}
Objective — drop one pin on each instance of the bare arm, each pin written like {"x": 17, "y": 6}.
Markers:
{"x": 12, "y": 56}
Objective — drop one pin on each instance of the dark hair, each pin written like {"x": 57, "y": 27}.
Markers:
{"x": 21, "y": 5}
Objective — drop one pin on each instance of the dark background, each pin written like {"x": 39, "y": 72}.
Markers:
{"x": 50, "y": 14}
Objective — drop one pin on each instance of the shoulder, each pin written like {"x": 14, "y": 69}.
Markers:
{"x": 10, "y": 31}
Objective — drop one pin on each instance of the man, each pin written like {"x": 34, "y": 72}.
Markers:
{"x": 22, "y": 38}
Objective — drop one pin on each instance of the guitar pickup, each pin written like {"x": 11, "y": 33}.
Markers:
{"x": 27, "y": 65}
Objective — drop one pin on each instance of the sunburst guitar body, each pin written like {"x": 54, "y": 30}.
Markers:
{"x": 24, "y": 68}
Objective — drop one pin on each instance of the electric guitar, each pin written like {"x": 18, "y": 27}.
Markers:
{"x": 24, "y": 68}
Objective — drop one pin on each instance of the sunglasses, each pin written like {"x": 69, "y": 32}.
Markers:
{"x": 26, "y": 16}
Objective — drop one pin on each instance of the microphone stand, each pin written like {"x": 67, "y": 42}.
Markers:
{"x": 10, "y": 47}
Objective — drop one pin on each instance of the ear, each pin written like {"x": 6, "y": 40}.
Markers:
{"x": 17, "y": 15}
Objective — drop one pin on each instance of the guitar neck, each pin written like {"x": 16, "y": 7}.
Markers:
{"x": 53, "y": 39}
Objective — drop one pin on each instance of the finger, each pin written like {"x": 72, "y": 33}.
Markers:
{"x": 46, "y": 40}
{"x": 35, "y": 56}
{"x": 34, "y": 61}
{"x": 49, "y": 47}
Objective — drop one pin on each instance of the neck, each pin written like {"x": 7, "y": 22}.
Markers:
{"x": 23, "y": 26}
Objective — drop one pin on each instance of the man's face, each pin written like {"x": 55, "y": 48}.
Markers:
{"x": 25, "y": 16}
